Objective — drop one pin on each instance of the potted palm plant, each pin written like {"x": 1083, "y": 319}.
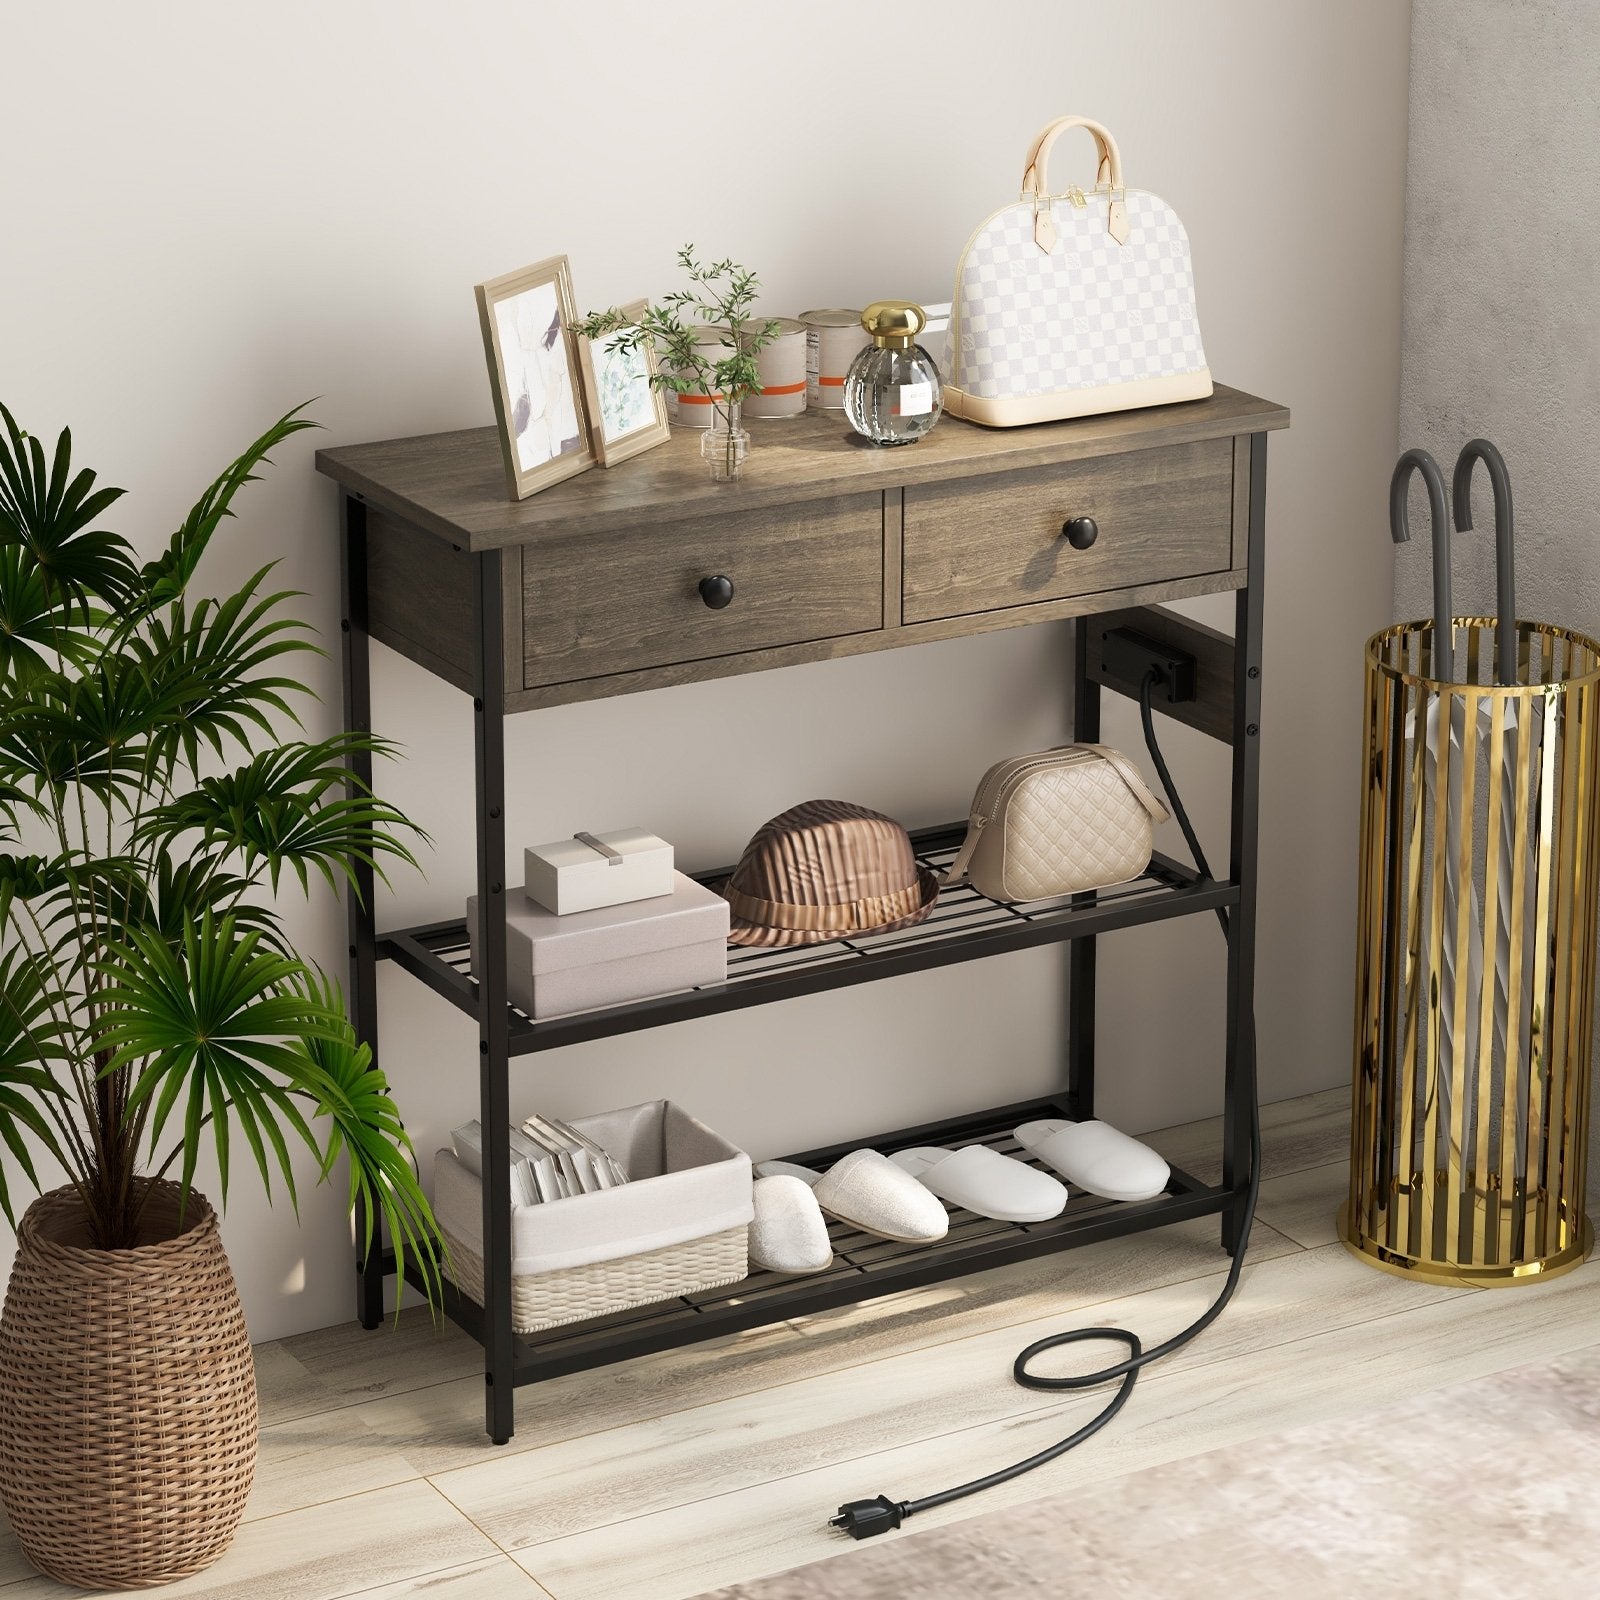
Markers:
{"x": 156, "y": 790}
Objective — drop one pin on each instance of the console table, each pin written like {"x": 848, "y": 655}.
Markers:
{"x": 650, "y": 575}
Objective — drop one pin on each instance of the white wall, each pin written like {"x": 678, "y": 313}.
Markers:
{"x": 211, "y": 213}
{"x": 1501, "y": 336}
{"x": 1502, "y": 244}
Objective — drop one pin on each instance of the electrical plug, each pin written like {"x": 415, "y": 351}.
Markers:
{"x": 861, "y": 1519}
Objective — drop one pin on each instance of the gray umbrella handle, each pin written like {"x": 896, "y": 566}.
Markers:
{"x": 1505, "y": 559}
{"x": 1400, "y": 531}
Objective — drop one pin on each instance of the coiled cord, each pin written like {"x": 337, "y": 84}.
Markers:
{"x": 864, "y": 1518}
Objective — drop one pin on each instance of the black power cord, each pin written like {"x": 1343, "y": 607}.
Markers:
{"x": 861, "y": 1519}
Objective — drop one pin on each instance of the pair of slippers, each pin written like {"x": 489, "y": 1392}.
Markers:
{"x": 1092, "y": 1156}
{"x": 899, "y": 1197}
{"x": 789, "y": 1232}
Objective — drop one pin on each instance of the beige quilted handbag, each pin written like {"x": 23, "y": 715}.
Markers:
{"x": 1057, "y": 822}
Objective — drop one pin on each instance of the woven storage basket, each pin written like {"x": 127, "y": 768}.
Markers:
{"x": 127, "y": 1397}
{"x": 680, "y": 1225}
{"x": 573, "y": 1294}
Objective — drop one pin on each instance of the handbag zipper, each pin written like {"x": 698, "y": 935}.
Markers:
{"x": 982, "y": 814}
{"x": 1079, "y": 195}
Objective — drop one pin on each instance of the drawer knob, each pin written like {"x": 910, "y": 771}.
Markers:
{"x": 716, "y": 592}
{"x": 1080, "y": 532}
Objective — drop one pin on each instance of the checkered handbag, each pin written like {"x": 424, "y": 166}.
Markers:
{"x": 1071, "y": 304}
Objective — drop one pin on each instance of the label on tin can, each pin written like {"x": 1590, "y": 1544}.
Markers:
{"x": 832, "y": 339}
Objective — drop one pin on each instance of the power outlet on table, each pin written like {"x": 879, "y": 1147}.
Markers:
{"x": 1127, "y": 656}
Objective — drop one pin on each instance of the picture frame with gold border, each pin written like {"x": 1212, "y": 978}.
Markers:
{"x": 536, "y": 375}
{"x": 627, "y": 412}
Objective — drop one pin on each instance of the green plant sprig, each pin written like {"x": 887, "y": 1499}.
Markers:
{"x": 724, "y": 295}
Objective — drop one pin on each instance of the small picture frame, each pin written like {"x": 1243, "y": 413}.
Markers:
{"x": 536, "y": 375}
{"x": 627, "y": 412}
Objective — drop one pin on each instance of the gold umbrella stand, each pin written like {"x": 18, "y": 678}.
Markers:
{"x": 1475, "y": 957}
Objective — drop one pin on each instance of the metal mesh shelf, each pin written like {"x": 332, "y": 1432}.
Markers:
{"x": 964, "y": 926}
{"x": 863, "y": 1266}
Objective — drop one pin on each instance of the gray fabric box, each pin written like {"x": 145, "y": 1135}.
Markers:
{"x": 556, "y": 965}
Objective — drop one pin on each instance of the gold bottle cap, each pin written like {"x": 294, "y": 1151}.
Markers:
{"x": 894, "y": 324}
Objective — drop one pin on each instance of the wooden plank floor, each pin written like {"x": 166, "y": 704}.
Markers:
{"x": 676, "y": 1474}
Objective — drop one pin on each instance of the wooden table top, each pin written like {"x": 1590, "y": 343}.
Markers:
{"x": 453, "y": 484}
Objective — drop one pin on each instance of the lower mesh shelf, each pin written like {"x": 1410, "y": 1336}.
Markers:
{"x": 864, "y": 1266}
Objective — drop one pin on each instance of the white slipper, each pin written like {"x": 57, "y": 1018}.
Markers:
{"x": 986, "y": 1182}
{"x": 788, "y": 1233}
{"x": 871, "y": 1193}
{"x": 786, "y": 1169}
{"x": 1096, "y": 1157}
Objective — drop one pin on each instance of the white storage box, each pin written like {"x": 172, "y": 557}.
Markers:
{"x": 575, "y": 874}
{"x": 556, "y": 965}
{"x": 680, "y": 1224}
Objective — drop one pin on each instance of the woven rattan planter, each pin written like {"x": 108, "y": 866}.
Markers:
{"x": 127, "y": 1397}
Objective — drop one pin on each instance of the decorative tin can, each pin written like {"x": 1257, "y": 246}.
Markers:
{"x": 695, "y": 410}
{"x": 832, "y": 339}
{"x": 782, "y": 365}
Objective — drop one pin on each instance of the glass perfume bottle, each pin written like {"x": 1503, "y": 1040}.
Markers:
{"x": 892, "y": 393}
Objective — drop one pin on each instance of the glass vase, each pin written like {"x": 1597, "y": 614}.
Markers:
{"x": 725, "y": 444}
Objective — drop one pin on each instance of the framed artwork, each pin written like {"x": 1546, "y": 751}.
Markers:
{"x": 627, "y": 413}
{"x": 534, "y": 370}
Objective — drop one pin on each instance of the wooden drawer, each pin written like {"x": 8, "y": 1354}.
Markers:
{"x": 629, "y": 598}
{"x": 985, "y": 544}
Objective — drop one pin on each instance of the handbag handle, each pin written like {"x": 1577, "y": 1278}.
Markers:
{"x": 1131, "y": 776}
{"x": 1108, "y": 176}
{"x": 1110, "y": 168}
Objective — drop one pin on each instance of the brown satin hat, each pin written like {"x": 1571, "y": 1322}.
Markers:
{"x": 826, "y": 869}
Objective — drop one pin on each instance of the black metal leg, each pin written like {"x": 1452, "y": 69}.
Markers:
{"x": 494, "y": 1098}
{"x": 359, "y": 908}
{"x": 1081, "y": 970}
{"x": 1241, "y": 1090}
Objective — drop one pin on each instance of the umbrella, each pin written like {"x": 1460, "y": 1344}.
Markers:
{"x": 1400, "y": 530}
{"x": 1443, "y": 767}
{"x": 1532, "y": 742}
{"x": 1505, "y": 562}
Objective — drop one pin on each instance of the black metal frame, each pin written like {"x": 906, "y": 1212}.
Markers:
{"x": 1240, "y": 1086}
{"x": 967, "y": 927}
{"x": 358, "y": 902}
